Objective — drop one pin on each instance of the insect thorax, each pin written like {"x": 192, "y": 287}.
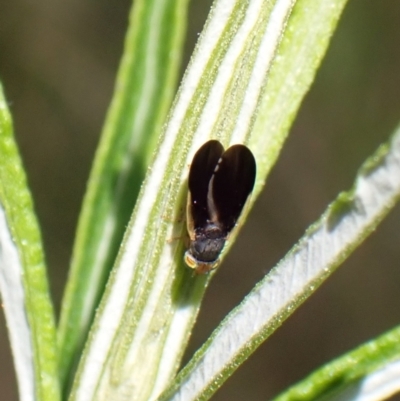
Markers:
{"x": 208, "y": 243}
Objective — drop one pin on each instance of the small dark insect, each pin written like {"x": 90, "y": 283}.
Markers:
{"x": 219, "y": 184}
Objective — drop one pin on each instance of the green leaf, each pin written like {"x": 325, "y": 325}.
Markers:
{"x": 144, "y": 89}
{"x": 250, "y": 70}
{"x": 371, "y": 372}
{"x": 23, "y": 282}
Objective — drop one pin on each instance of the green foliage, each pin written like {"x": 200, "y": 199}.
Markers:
{"x": 24, "y": 287}
{"x": 130, "y": 303}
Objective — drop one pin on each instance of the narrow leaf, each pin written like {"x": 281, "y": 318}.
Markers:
{"x": 370, "y": 372}
{"x": 144, "y": 89}
{"x": 23, "y": 282}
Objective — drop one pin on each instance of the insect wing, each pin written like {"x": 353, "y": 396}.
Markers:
{"x": 201, "y": 171}
{"x": 232, "y": 183}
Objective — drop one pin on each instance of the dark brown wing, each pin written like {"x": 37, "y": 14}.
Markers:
{"x": 232, "y": 183}
{"x": 201, "y": 170}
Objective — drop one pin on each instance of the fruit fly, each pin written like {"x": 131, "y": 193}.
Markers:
{"x": 220, "y": 181}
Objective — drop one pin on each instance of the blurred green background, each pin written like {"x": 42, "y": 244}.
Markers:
{"x": 58, "y": 62}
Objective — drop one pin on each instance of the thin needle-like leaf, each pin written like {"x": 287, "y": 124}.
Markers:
{"x": 368, "y": 373}
{"x": 145, "y": 86}
{"x": 23, "y": 282}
